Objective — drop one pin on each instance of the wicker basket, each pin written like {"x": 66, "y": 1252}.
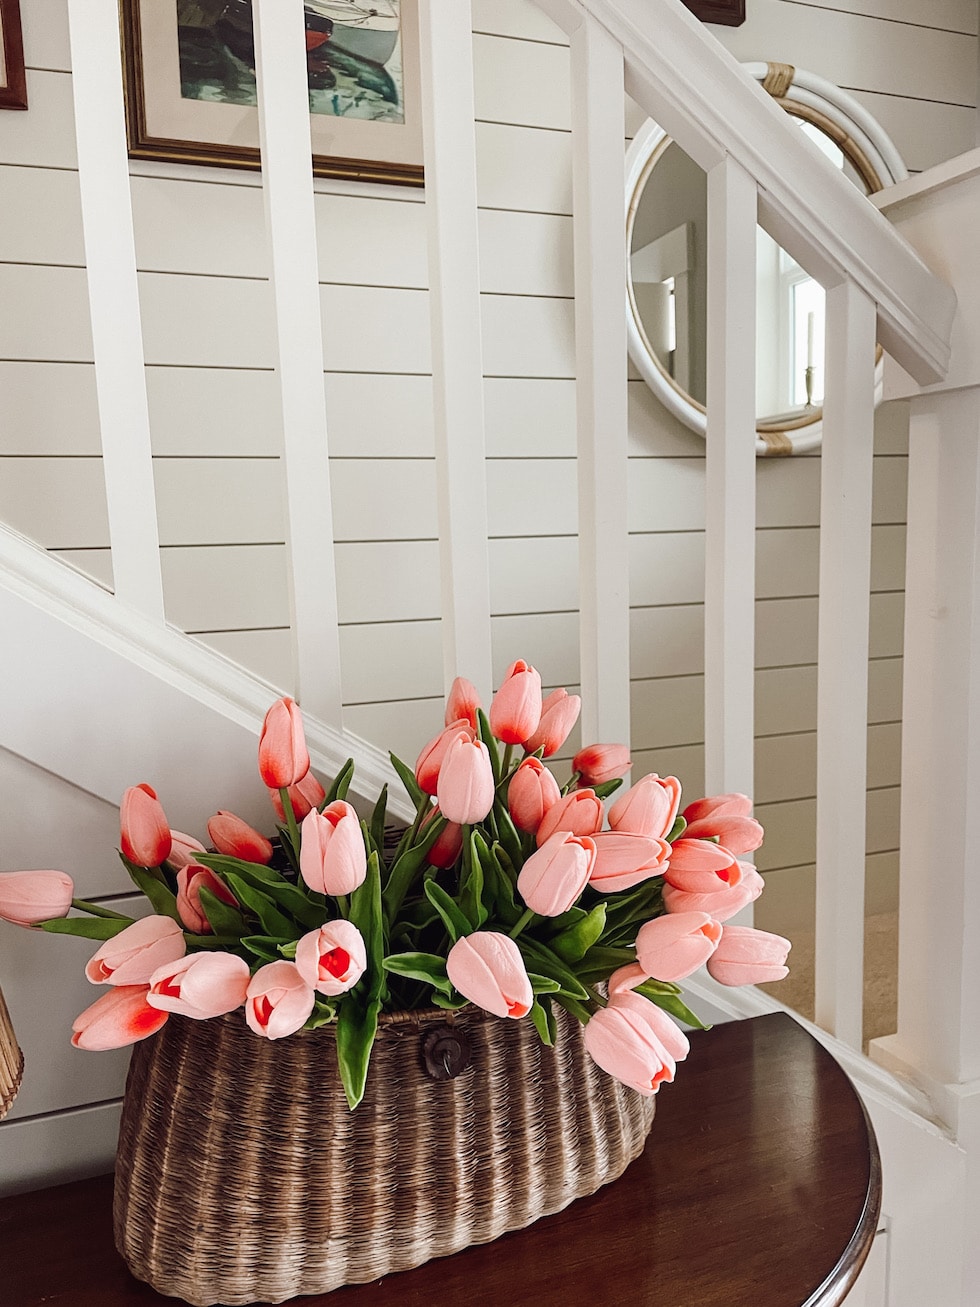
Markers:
{"x": 242, "y": 1175}
{"x": 11, "y": 1060}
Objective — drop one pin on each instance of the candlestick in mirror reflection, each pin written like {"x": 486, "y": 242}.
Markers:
{"x": 808, "y": 373}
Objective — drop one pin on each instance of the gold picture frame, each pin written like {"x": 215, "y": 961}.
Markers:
{"x": 187, "y": 69}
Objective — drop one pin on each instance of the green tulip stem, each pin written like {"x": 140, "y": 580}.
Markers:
{"x": 525, "y": 920}
{"x": 596, "y": 996}
{"x": 570, "y": 783}
{"x": 94, "y": 910}
{"x": 290, "y": 815}
{"x": 421, "y": 811}
{"x": 505, "y": 765}
{"x": 343, "y": 906}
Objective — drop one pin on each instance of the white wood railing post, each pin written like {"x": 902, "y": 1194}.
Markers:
{"x": 600, "y": 393}
{"x": 729, "y": 593}
{"x": 449, "y": 139}
{"x": 117, "y": 337}
{"x": 847, "y": 459}
{"x": 287, "y": 183}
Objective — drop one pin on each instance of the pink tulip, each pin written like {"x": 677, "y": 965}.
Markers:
{"x": 332, "y": 959}
{"x": 278, "y": 1000}
{"x": 236, "y": 838}
{"x": 304, "y": 795}
{"x": 121, "y": 1016}
{"x": 132, "y": 956}
{"x": 726, "y": 817}
{"x": 200, "y": 985}
{"x": 429, "y": 761}
{"x": 146, "y": 838}
{"x": 332, "y": 857}
{"x": 516, "y": 707}
{"x": 580, "y": 812}
{"x": 626, "y": 978}
{"x": 183, "y": 849}
{"x": 27, "y": 897}
{"x": 701, "y": 867}
{"x": 190, "y": 881}
{"x": 598, "y": 763}
{"x": 448, "y": 845}
{"x": 463, "y": 702}
{"x": 649, "y": 808}
{"x": 283, "y": 756}
{"x": 636, "y": 1042}
{"x": 674, "y": 946}
{"x": 559, "y": 713}
{"x": 532, "y": 791}
{"x": 487, "y": 968}
{"x": 623, "y": 860}
{"x": 724, "y": 902}
{"x": 465, "y": 792}
{"x": 748, "y": 957}
{"x": 552, "y": 880}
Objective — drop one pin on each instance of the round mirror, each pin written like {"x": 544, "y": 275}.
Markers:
{"x": 666, "y": 219}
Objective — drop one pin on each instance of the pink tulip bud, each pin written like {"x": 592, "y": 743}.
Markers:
{"x": 725, "y": 818}
{"x": 278, "y": 1000}
{"x": 674, "y": 946}
{"x": 146, "y": 838}
{"x": 332, "y": 959}
{"x": 580, "y": 812}
{"x": 748, "y": 957}
{"x": 634, "y": 1041}
{"x": 649, "y": 808}
{"x": 429, "y": 761}
{"x": 304, "y": 795}
{"x": 623, "y": 860}
{"x": 723, "y": 903}
{"x": 701, "y": 867}
{"x": 236, "y": 838}
{"x": 463, "y": 702}
{"x": 200, "y": 985}
{"x": 552, "y": 880}
{"x": 27, "y": 897}
{"x": 283, "y": 756}
{"x": 516, "y": 707}
{"x": 183, "y": 849}
{"x": 332, "y": 858}
{"x": 598, "y": 763}
{"x": 487, "y": 968}
{"x": 448, "y": 845}
{"x": 465, "y": 791}
{"x": 132, "y": 956}
{"x": 626, "y": 978}
{"x": 532, "y": 791}
{"x": 190, "y": 881}
{"x": 559, "y": 713}
{"x": 121, "y": 1016}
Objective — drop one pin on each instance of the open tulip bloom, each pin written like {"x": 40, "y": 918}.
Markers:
{"x": 508, "y": 891}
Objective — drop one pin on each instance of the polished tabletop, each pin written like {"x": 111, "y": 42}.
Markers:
{"x": 760, "y": 1186}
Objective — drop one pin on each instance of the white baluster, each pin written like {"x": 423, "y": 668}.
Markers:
{"x": 287, "y": 182}
{"x": 729, "y": 593}
{"x": 600, "y": 354}
{"x": 847, "y": 458}
{"x": 457, "y": 349}
{"x": 117, "y": 339}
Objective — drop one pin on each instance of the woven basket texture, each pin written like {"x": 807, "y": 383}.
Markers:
{"x": 242, "y": 1175}
{"x": 11, "y": 1060}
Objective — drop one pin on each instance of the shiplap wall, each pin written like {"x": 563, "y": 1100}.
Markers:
{"x": 216, "y": 437}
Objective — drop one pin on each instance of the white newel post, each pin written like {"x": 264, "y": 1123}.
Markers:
{"x": 448, "y": 131}
{"x": 287, "y": 183}
{"x": 117, "y": 337}
{"x": 600, "y": 389}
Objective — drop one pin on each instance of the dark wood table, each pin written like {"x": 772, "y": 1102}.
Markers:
{"x": 760, "y": 1187}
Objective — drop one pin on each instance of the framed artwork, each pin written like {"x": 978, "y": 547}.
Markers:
{"x": 13, "y": 80}
{"x": 731, "y": 13}
{"x": 190, "y": 85}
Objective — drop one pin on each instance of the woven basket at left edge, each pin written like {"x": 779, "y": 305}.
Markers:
{"x": 242, "y": 1175}
{"x": 11, "y": 1060}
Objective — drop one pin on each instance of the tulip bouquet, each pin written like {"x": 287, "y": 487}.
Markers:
{"x": 507, "y": 891}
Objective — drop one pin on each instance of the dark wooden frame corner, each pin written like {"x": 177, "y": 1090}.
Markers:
{"x": 730, "y": 13}
{"x": 13, "y": 92}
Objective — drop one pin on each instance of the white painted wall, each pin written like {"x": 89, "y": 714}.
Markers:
{"x": 215, "y": 430}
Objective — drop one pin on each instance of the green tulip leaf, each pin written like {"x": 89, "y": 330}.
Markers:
{"x": 543, "y": 961}
{"x": 472, "y": 883}
{"x": 296, "y": 900}
{"x": 606, "y": 788}
{"x": 86, "y": 927}
{"x": 427, "y": 967}
{"x": 450, "y": 1004}
{"x": 453, "y": 916}
{"x": 162, "y": 898}
{"x": 378, "y": 819}
{"x": 543, "y": 1016}
{"x": 486, "y": 737}
{"x": 677, "y": 830}
{"x": 407, "y": 778}
{"x": 575, "y": 940}
{"x": 222, "y": 917}
{"x": 574, "y": 1008}
{"x": 357, "y": 1025}
{"x": 543, "y": 984}
{"x": 675, "y": 1006}
{"x": 406, "y": 868}
{"x": 341, "y": 784}
{"x": 272, "y": 921}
